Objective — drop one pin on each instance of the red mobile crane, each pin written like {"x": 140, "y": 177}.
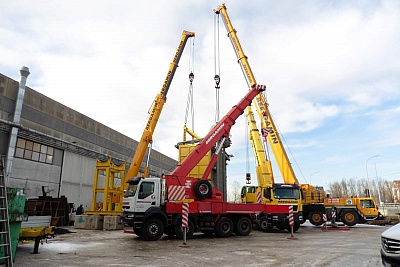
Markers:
{"x": 153, "y": 206}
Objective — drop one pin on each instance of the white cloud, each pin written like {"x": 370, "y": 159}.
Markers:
{"x": 328, "y": 66}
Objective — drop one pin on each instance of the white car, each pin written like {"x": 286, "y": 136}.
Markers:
{"x": 390, "y": 251}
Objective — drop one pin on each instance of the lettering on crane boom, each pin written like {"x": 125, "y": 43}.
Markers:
{"x": 153, "y": 110}
{"x": 167, "y": 79}
{"x": 269, "y": 130}
{"x": 215, "y": 133}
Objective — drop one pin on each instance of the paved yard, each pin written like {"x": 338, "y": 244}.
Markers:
{"x": 313, "y": 247}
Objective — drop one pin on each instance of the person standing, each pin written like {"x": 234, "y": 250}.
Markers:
{"x": 79, "y": 210}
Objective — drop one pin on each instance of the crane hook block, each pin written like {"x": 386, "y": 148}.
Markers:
{"x": 248, "y": 178}
{"x": 217, "y": 80}
{"x": 191, "y": 77}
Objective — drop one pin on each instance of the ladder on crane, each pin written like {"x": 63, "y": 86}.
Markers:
{"x": 5, "y": 244}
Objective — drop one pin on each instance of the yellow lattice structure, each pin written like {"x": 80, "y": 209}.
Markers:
{"x": 107, "y": 197}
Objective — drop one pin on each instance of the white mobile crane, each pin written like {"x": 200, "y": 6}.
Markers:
{"x": 153, "y": 206}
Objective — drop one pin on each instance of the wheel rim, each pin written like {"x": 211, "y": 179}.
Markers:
{"x": 264, "y": 224}
{"x": 225, "y": 227}
{"x": 203, "y": 189}
{"x": 154, "y": 229}
{"x": 244, "y": 225}
{"x": 316, "y": 217}
{"x": 349, "y": 217}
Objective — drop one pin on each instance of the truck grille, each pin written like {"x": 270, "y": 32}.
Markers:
{"x": 390, "y": 245}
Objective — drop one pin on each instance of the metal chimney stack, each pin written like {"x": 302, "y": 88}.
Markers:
{"x": 24, "y": 72}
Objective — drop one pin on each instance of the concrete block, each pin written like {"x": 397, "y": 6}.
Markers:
{"x": 94, "y": 222}
{"x": 112, "y": 223}
{"x": 80, "y": 221}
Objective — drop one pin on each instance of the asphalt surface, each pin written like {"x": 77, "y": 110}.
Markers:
{"x": 359, "y": 246}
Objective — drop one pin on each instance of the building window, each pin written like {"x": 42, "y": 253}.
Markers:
{"x": 34, "y": 151}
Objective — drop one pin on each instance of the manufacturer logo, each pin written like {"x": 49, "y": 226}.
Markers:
{"x": 385, "y": 244}
{"x": 188, "y": 183}
{"x": 215, "y": 133}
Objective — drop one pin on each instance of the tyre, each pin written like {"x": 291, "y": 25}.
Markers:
{"x": 138, "y": 232}
{"x": 243, "y": 226}
{"x": 349, "y": 217}
{"x": 316, "y": 218}
{"x": 179, "y": 230}
{"x": 208, "y": 233}
{"x": 152, "y": 229}
{"x": 281, "y": 226}
{"x": 265, "y": 226}
{"x": 203, "y": 189}
{"x": 224, "y": 227}
{"x": 170, "y": 231}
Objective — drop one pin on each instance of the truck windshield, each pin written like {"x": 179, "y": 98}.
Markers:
{"x": 131, "y": 191}
{"x": 286, "y": 193}
{"x": 367, "y": 203}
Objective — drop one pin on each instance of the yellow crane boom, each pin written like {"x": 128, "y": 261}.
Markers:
{"x": 267, "y": 126}
{"x": 155, "y": 111}
{"x": 263, "y": 165}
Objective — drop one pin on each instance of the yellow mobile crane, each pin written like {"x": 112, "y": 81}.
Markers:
{"x": 155, "y": 111}
{"x": 112, "y": 197}
{"x": 314, "y": 201}
{"x": 267, "y": 190}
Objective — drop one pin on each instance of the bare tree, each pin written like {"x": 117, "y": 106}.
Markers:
{"x": 335, "y": 189}
{"x": 362, "y": 188}
{"x": 236, "y": 188}
{"x": 352, "y": 186}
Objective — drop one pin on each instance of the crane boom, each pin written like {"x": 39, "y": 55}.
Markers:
{"x": 155, "y": 111}
{"x": 269, "y": 131}
{"x": 263, "y": 165}
{"x": 267, "y": 125}
{"x": 222, "y": 129}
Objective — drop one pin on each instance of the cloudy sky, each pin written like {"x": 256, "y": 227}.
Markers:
{"x": 331, "y": 70}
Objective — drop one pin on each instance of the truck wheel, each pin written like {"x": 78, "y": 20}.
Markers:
{"x": 281, "y": 226}
{"x": 208, "y": 233}
{"x": 138, "y": 232}
{"x": 203, "y": 189}
{"x": 224, "y": 227}
{"x": 349, "y": 217}
{"x": 316, "y": 218}
{"x": 152, "y": 229}
{"x": 265, "y": 226}
{"x": 243, "y": 226}
{"x": 169, "y": 231}
{"x": 179, "y": 230}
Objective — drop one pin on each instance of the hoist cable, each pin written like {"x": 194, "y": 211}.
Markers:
{"x": 246, "y": 136}
{"x": 217, "y": 77}
{"x": 189, "y": 103}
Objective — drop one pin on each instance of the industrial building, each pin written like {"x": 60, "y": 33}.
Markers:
{"x": 52, "y": 149}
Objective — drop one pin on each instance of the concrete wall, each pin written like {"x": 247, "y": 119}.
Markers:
{"x": 78, "y": 140}
{"x": 77, "y": 178}
{"x": 31, "y": 176}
